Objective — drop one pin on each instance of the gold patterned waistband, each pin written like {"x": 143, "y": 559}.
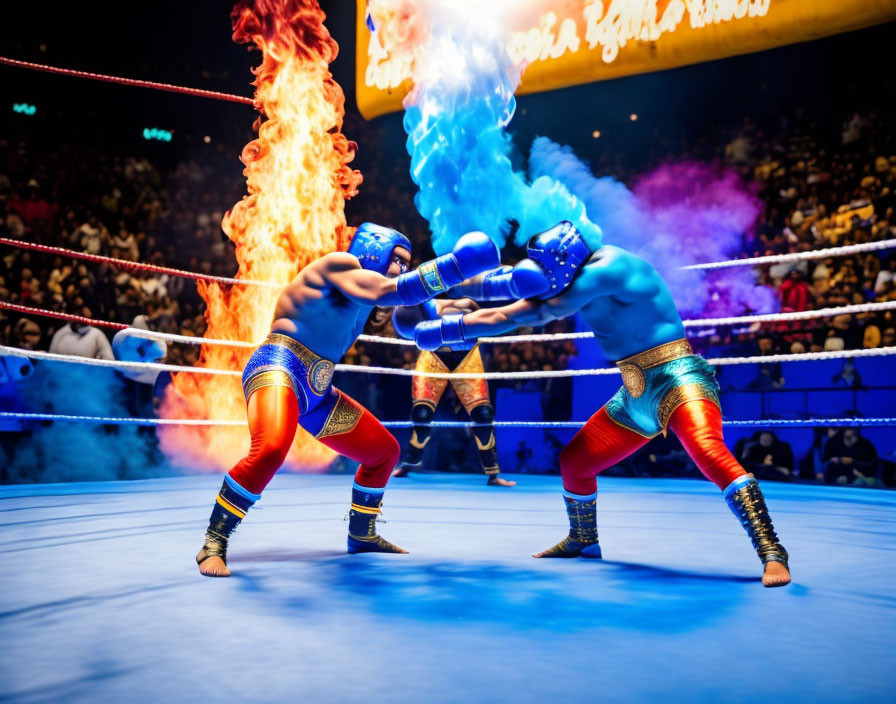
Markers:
{"x": 658, "y": 355}
{"x": 294, "y": 346}
{"x": 320, "y": 370}
{"x": 633, "y": 367}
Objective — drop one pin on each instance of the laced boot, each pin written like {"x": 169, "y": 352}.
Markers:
{"x": 362, "y": 536}
{"x": 582, "y": 538}
{"x": 745, "y": 499}
{"x": 230, "y": 508}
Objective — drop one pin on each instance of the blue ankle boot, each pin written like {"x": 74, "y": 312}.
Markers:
{"x": 362, "y": 536}
{"x": 582, "y": 538}
{"x": 231, "y": 505}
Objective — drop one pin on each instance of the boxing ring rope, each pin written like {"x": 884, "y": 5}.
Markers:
{"x": 139, "y": 266}
{"x": 506, "y": 339}
{"x": 133, "y": 266}
{"x": 357, "y": 368}
{"x": 560, "y": 425}
{"x": 199, "y": 92}
{"x": 142, "y": 366}
{"x": 842, "y": 251}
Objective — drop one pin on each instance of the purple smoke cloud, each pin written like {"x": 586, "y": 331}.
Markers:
{"x": 679, "y": 214}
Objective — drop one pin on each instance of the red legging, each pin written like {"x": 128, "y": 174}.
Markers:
{"x": 602, "y": 442}
{"x": 273, "y": 416}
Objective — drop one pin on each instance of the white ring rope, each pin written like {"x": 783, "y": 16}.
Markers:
{"x": 793, "y": 315}
{"x": 765, "y": 423}
{"x": 843, "y": 251}
{"x": 553, "y": 374}
{"x": 510, "y": 339}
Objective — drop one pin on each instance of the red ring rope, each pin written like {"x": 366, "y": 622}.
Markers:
{"x": 129, "y": 81}
{"x": 61, "y": 316}
{"x": 125, "y": 264}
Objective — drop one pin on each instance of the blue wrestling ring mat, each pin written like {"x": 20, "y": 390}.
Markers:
{"x": 102, "y": 601}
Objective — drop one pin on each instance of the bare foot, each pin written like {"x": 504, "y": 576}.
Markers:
{"x": 500, "y": 481}
{"x": 212, "y": 566}
{"x": 776, "y": 575}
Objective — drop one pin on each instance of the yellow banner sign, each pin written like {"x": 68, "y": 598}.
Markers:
{"x": 580, "y": 41}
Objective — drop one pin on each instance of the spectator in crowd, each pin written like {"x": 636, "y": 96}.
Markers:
{"x": 848, "y": 458}
{"x": 523, "y": 457}
{"x": 664, "y": 456}
{"x": 81, "y": 340}
{"x": 818, "y": 187}
{"x": 26, "y": 334}
{"x": 767, "y": 457}
{"x": 886, "y": 278}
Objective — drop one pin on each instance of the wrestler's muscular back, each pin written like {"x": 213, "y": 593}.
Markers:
{"x": 626, "y": 303}
{"x": 317, "y": 314}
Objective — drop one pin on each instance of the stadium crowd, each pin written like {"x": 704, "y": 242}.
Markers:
{"x": 127, "y": 207}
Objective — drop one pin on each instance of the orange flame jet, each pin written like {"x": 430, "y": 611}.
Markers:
{"x": 298, "y": 180}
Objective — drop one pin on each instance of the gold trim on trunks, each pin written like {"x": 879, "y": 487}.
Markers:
{"x": 342, "y": 419}
{"x": 633, "y": 379}
{"x": 426, "y": 389}
{"x": 682, "y": 394}
{"x": 271, "y": 377}
{"x": 628, "y": 427}
{"x": 633, "y": 368}
{"x": 471, "y": 392}
{"x": 319, "y": 370}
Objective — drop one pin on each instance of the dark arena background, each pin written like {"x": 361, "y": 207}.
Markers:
{"x": 746, "y": 150}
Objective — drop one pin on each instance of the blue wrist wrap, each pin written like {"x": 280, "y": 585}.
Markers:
{"x": 453, "y": 328}
{"x": 429, "y": 279}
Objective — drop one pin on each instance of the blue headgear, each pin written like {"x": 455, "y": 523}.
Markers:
{"x": 560, "y": 252}
{"x": 373, "y": 245}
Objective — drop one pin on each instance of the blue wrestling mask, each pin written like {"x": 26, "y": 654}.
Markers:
{"x": 560, "y": 252}
{"x": 373, "y": 245}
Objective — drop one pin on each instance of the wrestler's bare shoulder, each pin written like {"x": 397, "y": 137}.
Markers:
{"x": 611, "y": 255}
{"x": 315, "y": 274}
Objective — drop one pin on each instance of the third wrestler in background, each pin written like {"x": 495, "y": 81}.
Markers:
{"x": 427, "y": 391}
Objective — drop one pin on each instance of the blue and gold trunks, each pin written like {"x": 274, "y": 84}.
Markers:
{"x": 658, "y": 381}
{"x": 282, "y": 361}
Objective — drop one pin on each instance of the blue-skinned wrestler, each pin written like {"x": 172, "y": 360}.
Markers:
{"x": 288, "y": 380}
{"x": 665, "y": 386}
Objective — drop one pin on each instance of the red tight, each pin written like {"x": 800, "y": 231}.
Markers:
{"x": 602, "y": 442}
{"x": 273, "y": 416}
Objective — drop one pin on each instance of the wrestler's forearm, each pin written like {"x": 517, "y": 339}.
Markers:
{"x": 494, "y": 321}
{"x": 388, "y": 296}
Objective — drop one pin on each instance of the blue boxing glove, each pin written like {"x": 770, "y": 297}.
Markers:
{"x": 525, "y": 280}
{"x": 447, "y": 331}
{"x": 406, "y": 318}
{"x": 473, "y": 254}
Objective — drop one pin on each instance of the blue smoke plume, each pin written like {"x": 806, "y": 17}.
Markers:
{"x": 460, "y": 151}
{"x": 461, "y": 160}
{"x": 67, "y": 452}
